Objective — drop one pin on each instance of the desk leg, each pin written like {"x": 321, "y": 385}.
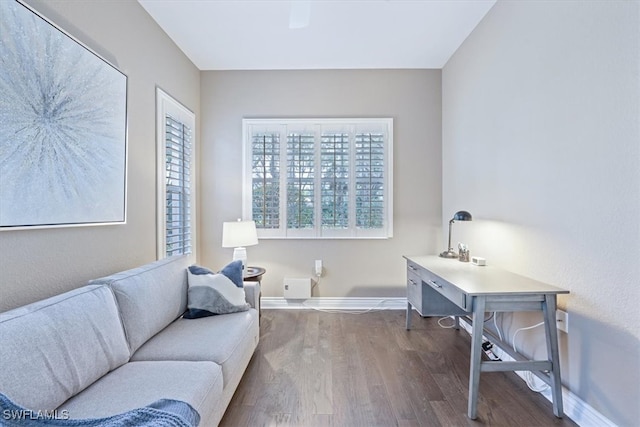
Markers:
{"x": 408, "y": 316}
{"x": 476, "y": 355}
{"x": 551, "y": 334}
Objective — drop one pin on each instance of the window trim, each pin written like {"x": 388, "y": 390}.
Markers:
{"x": 282, "y": 125}
{"x": 166, "y": 104}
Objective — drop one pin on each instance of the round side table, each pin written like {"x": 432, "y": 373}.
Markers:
{"x": 253, "y": 274}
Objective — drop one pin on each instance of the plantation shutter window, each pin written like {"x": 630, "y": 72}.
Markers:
{"x": 178, "y": 187}
{"x": 319, "y": 178}
{"x": 176, "y": 203}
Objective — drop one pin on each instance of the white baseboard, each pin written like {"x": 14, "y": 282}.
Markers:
{"x": 325, "y": 303}
{"x": 575, "y": 408}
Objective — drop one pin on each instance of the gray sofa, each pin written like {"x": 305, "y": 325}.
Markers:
{"x": 120, "y": 343}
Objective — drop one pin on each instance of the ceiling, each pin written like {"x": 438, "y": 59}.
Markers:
{"x": 317, "y": 34}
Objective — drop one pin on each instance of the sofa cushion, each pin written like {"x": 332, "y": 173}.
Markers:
{"x": 137, "y": 384}
{"x": 54, "y": 348}
{"x": 221, "y": 339}
{"x": 215, "y": 293}
{"x": 149, "y": 297}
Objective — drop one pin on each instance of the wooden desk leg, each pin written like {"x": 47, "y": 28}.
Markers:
{"x": 476, "y": 355}
{"x": 408, "y": 316}
{"x": 551, "y": 334}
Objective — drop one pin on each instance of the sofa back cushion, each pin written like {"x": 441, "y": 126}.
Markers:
{"x": 149, "y": 297}
{"x": 54, "y": 348}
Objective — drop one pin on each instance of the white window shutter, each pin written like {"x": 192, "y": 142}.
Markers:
{"x": 265, "y": 179}
{"x": 178, "y": 187}
{"x": 300, "y": 180}
{"x": 319, "y": 178}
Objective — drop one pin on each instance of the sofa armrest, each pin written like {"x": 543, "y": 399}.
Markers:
{"x": 252, "y": 294}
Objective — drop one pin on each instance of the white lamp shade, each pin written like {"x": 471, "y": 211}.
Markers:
{"x": 239, "y": 233}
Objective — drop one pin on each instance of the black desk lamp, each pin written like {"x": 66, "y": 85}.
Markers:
{"x": 459, "y": 216}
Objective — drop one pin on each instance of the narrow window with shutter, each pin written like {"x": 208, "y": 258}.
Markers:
{"x": 319, "y": 178}
{"x": 176, "y": 201}
{"x": 178, "y": 187}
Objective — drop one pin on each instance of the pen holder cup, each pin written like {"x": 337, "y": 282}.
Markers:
{"x": 463, "y": 255}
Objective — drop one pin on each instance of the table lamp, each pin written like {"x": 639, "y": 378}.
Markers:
{"x": 237, "y": 235}
{"x": 459, "y": 216}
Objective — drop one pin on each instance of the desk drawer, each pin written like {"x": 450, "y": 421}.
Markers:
{"x": 414, "y": 290}
{"x": 444, "y": 288}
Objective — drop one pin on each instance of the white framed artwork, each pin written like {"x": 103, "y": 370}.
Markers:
{"x": 63, "y": 127}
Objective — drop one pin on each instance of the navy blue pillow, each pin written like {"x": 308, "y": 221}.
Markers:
{"x": 233, "y": 271}
{"x": 196, "y": 269}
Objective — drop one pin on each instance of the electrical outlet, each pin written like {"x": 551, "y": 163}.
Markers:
{"x": 562, "y": 320}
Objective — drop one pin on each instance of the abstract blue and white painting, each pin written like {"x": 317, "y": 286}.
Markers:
{"x": 62, "y": 127}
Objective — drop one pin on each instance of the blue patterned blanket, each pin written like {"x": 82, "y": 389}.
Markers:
{"x": 162, "y": 413}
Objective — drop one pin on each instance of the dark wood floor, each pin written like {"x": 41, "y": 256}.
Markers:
{"x": 321, "y": 369}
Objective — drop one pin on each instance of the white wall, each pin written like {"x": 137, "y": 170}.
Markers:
{"x": 352, "y": 267}
{"x": 541, "y": 145}
{"x": 38, "y": 263}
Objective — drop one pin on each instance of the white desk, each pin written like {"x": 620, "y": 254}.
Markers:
{"x": 447, "y": 287}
